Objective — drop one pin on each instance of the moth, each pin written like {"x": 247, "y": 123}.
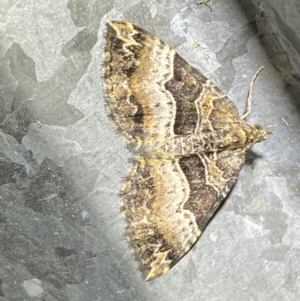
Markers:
{"x": 186, "y": 137}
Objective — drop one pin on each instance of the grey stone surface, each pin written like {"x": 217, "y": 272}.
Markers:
{"x": 278, "y": 25}
{"x": 61, "y": 164}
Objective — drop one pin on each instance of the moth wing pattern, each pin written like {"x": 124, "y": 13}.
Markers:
{"x": 167, "y": 214}
{"x": 152, "y": 92}
{"x": 210, "y": 177}
{"x": 137, "y": 108}
{"x": 153, "y": 95}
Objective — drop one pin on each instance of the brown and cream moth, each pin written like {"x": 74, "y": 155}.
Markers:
{"x": 187, "y": 139}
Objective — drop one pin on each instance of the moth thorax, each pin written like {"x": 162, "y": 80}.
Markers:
{"x": 242, "y": 136}
{"x": 232, "y": 138}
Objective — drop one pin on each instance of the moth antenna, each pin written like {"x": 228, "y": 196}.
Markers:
{"x": 249, "y": 101}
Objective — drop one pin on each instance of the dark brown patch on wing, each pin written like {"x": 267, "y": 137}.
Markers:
{"x": 185, "y": 87}
{"x": 210, "y": 177}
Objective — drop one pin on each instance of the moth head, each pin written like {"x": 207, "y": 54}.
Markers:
{"x": 261, "y": 133}
{"x": 243, "y": 136}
